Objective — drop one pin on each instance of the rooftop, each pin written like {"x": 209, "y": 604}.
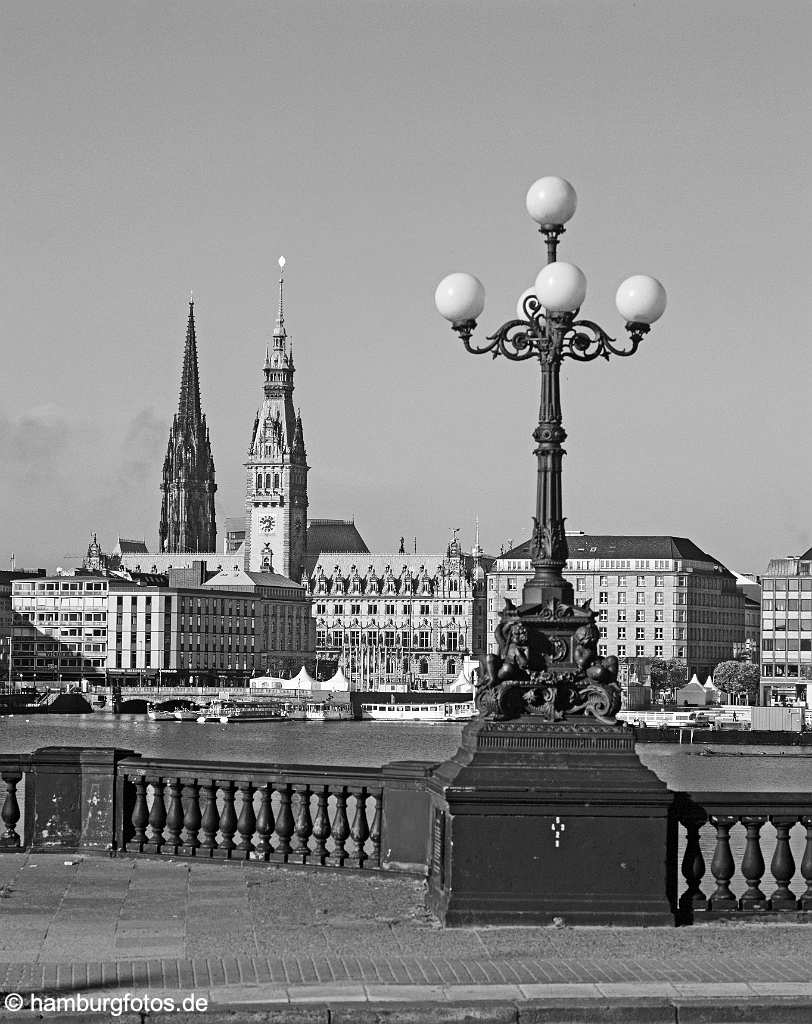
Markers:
{"x": 625, "y": 546}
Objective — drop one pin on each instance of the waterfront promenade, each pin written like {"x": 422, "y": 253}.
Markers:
{"x": 263, "y": 943}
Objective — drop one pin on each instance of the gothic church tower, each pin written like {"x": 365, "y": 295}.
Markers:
{"x": 276, "y": 470}
{"x": 187, "y": 509}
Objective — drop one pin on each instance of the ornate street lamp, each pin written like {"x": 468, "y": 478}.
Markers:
{"x": 548, "y": 663}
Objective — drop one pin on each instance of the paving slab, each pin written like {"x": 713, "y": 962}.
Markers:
{"x": 273, "y": 940}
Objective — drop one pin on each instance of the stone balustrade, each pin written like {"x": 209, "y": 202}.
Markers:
{"x": 788, "y": 814}
{"x": 12, "y": 772}
{"x": 291, "y": 814}
{"x": 74, "y": 799}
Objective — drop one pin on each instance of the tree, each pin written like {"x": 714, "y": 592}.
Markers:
{"x": 667, "y": 675}
{"x": 738, "y": 677}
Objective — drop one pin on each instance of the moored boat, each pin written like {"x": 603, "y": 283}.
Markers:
{"x": 395, "y": 711}
{"x": 244, "y": 711}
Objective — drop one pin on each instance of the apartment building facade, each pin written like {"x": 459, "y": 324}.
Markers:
{"x": 786, "y": 631}
{"x": 653, "y": 596}
{"x": 151, "y": 627}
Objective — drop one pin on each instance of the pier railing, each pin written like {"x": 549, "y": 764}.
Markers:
{"x": 743, "y": 855}
{"x": 779, "y": 821}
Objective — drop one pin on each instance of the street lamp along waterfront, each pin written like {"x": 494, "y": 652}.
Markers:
{"x": 547, "y": 663}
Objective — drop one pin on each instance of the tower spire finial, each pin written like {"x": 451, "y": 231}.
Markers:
{"x": 279, "y": 330}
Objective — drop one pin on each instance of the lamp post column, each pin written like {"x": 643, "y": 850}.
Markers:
{"x": 549, "y": 540}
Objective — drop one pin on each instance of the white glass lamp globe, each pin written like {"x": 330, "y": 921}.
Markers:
{"x": 526, "y": 294}
{"x": 551, "y": 201}
{"x": 460, "y": 297}
{"x": 561, "y": 287}
{"x": 641, "y": 299}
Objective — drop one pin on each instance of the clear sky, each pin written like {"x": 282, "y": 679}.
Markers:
{"x": 153, "y": 148}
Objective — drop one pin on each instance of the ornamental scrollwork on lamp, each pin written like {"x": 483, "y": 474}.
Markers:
{"x": 549, "y": 541}
{"x": 512, "y": 686}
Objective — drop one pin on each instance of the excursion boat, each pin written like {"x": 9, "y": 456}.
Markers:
{"x": 159, "y": 715}
{"x": 320, "y": 711}
{"x": 243, "y": 711}
{"x": 439, "y": 712}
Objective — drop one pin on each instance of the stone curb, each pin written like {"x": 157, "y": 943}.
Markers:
{"x": 645, "y": 1003}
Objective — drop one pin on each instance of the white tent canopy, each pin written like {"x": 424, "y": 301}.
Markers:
{"x": 338, "y": 682}
{"x": 462, "y": 684}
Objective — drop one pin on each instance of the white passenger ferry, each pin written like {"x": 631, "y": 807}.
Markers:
{"x": 402, "y": 712}
{"x": 244, "y": 711}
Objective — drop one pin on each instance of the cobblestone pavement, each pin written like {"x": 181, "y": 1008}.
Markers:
{"x": 287, "y": 944}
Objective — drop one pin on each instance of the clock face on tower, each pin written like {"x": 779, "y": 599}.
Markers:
{"x": 268, "y": 524}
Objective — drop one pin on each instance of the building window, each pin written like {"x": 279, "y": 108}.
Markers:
{"x": 640, "y": 651}
{"x": 640, "y": 597}
{"x": 603, "y": 631}
{"x": 658, "y": 650}
{"x": 640, "y": 633}
{"x": 621, "y": 632}
{"x": 355, "y": 609}
{"x": 658, "y": 615}
{"x": 603, "y": 597}
{"x": 658, "y": 632}
{"x": 372, "y": 609}
{"x": 604, "y": 581}
{"x": 389, "y": 609}
{"x": 603, "y": 615}
{"x": 621, "y": 615}
{"x": 580, "y": 584}
{"x": 659, "y": 597}
{"x": 641, "y": 581}
{"x": 621, "y": 650}
{"x": 423, "y": 667}
{"x": 621, "y": 597}
{"x": 659, "y": 581}
{"x": 640, "y": 615}
{"x": 602, "y": 650}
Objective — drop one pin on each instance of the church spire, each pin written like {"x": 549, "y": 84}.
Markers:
{"x": 187, "y": 506}
{"x": 189, "y": 401}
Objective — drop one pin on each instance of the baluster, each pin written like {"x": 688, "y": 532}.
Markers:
{"x": 753, "y": 864}
{"x": 210, "y": 821}
{"x": 693, "y": 900}
{"x": 321, "y": 827}
{"x": 782, "y": 865}
{"x": 805, "y": 902}
{"x": 174, "y": 818}
{"x": 157, "y": 816}
{"x": 375, "y": 829}
{"x": 10, "y": 814}
{"x": 304, "y": 825}
{"x": 191, "y": 820}
{"x": 284, "y": 821}
{"x": 228, "y": 822}
{"x": 341, "y": 827}
{"x": 722, "y": 866}
{"x": 247, "y": 823}
{"x": 265, "y": 823}
{"x": 360, "y": 829}
{"x": 140, "y": 815}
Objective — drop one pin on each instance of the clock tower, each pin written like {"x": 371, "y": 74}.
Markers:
{"x": 276, "y": 470}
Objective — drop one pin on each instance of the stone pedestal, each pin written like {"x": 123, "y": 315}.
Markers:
{"x": 533, "y": 821}
{"x": 405, "y": 825}
{"x": 70, "y": 795}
